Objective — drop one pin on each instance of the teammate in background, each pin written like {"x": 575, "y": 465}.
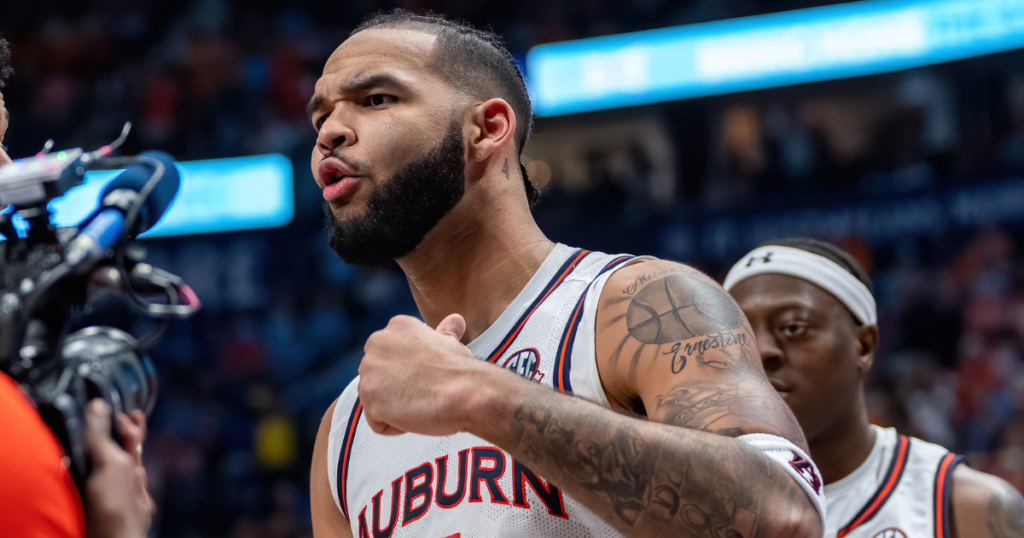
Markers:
{"x": 811, "y": 308}
{"x": 38, "y": 498}
{"x": 420, "y": 124}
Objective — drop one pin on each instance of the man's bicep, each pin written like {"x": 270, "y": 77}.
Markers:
{"x": 674, "y": 340}
{"x": 328, "y": 521}
{"x": 985, "y": 506}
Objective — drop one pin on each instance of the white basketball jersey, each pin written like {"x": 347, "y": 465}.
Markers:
{"x": 900, "y": 491}
{"x": 461, "y": 486}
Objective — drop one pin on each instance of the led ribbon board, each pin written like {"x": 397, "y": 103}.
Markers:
{"x": 765, "y": 51}
{"x": 218, "y": 195}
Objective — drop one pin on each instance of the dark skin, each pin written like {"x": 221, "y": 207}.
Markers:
{"x": 696, "y": 371}
{"x": 818, "y": 358}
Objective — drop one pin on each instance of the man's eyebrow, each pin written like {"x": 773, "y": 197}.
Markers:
{"x": 313, "y": 105}
{"x": 356, "y": 84}
{"x": 371, "y": 81}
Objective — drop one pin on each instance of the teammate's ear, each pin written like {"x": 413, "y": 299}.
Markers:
{"x": 493, "y": 126}
{"x": 867, "y": 345}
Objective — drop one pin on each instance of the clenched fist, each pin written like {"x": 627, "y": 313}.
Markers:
{"x": 422, "y": 380}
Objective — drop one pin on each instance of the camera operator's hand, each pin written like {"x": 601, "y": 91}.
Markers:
{"x": 116, "y": 500}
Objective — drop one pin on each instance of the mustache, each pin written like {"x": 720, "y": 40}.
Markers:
{"x": 358, "y": 167}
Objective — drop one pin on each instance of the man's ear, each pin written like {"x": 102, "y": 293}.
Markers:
{"x": 492, "y": 128}
{"x": 867, "y": 345}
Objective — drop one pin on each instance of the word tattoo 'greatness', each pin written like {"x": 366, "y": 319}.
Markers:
{"x": 680, "y": 353}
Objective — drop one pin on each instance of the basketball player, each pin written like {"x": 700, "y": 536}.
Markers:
{"x": 464, "y": 426}
{"x": 811, "y": 307}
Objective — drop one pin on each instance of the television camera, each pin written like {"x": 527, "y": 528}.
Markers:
{"x": 48, "y": 273}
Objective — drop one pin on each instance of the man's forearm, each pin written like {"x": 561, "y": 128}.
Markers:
{"x": 647, "y": 479}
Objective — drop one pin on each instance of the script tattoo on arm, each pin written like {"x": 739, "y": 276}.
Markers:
{"x": 1006, "y": 513}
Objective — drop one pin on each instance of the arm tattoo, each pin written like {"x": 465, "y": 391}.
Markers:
{"x": 711, "y": 407}
{"x": 662, "y": 482}
{"x": 1006, "y": 514}
{"x": 678, "y": 307}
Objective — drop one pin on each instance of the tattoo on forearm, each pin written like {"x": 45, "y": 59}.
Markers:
{"x": 1006, "y": 514}
{"x": 659, "y": 485}
{"x": 677, "y": 307}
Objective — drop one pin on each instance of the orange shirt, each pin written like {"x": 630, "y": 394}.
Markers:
{"x": 38, "y": 498}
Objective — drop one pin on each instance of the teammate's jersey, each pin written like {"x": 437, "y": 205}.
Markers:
{"x": 900, "y": 491}
{"x": 461, "y": 485}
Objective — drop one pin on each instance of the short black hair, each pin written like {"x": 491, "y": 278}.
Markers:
{"x": 5, "y": 61}
{"x": 473, "y": 60}
{"x": 827, "y": 250}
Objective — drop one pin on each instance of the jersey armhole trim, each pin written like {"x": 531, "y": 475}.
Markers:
{"x": 563, "y": 358}
{"x": 346, "y": 456}
{"x": 900, "y": 456}
{"x": 942, "y": 489}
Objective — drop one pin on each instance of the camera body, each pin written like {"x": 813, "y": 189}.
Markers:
{"x": 95, "y": 362}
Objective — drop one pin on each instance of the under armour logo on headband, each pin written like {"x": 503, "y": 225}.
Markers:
{"x": 766, "y": 258}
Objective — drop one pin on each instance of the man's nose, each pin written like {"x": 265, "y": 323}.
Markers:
{"x": 772, "y": 357}
{"x": 335, "y": 133}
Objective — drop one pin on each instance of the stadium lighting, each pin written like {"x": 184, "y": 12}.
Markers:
{"x": 847, "y": 40}
{"x": 217, "y": 195}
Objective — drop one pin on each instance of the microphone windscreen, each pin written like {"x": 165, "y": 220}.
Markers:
{"x": 135, "y": 178}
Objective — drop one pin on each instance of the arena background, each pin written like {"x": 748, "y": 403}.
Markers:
{"x": 919, "y": 173}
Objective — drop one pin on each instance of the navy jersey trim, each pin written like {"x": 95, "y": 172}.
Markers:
{"x": 943, "y": 486}
{"x": 346, "y": 456}
{"x": 900, "y": 456}
{"x": 555, "y": 281}
{"x": 563, "y": 359}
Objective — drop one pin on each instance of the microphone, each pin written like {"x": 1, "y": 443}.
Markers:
{"x": 108, "y": 224}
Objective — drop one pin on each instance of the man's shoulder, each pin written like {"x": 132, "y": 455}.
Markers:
{"x": 983, "y": 502}
{"x": 643, "y": 270}
{"x": 974, "y": 488}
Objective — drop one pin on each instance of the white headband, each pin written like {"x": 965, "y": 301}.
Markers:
{"x": 817, "y": 270}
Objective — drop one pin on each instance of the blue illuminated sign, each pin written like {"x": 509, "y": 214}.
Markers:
{"x": 218, "y": 195}
{"x": 846, "y": 40}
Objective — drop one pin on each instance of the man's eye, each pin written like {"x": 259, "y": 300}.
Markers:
{"x": 793, "y": 330}
{"x": 319, "y": 122}
{"x": 379, "y": 100}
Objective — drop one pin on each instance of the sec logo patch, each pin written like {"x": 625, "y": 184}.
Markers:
{"x": 890, "y": 533}
{"x": 525, "y": 363}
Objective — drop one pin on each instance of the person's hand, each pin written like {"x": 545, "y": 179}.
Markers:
{"x": 417, "y": 379}
{"x": 117, "y": 504}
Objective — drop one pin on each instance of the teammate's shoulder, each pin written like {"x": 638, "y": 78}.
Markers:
{"x": 973, "y": 488}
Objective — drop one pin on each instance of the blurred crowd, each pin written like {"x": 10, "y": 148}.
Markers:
{"x": 245, "y": 383}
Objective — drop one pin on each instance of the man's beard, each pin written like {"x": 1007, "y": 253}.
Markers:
{"x": 401, "y": 211}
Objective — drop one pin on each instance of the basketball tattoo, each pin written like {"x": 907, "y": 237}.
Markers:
{"x": 677, "y": 308}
